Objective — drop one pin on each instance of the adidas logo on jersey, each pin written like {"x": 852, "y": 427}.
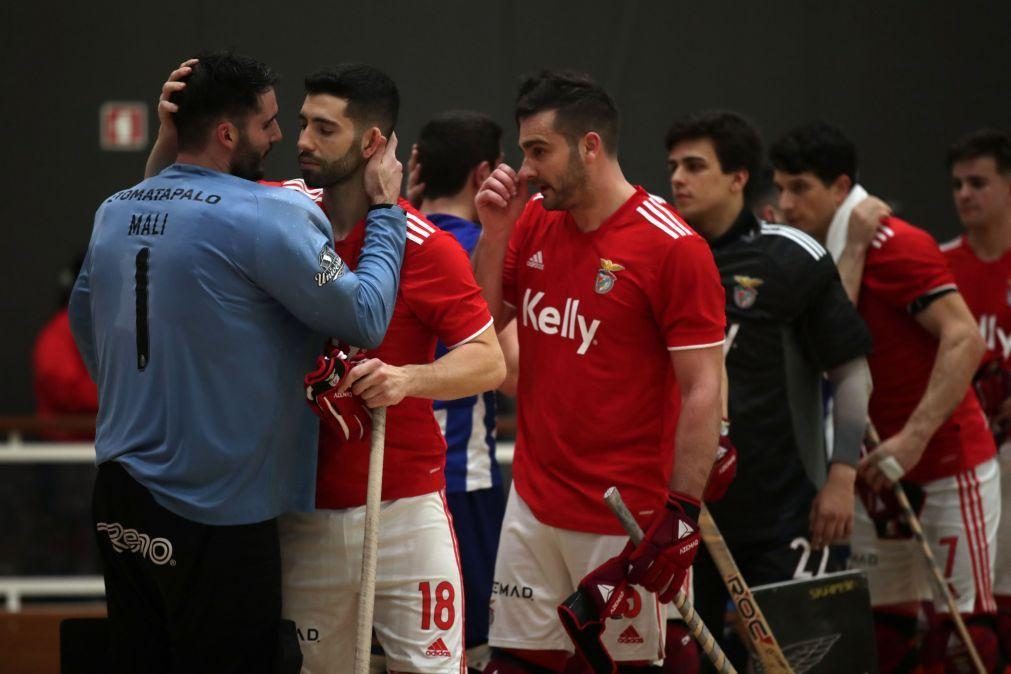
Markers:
{"x": 551, "y": 321}
{"x": 630, "y": 636}
{"x": 536, "y": 261}
{"x": 438, "y": 650}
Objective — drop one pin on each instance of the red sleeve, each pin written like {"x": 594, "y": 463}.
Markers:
{"x": 689, "y": 301}
{"x": 515, "y": 250}
{"x": 443, "y": 293}
{"x": 908, "y": 265}
{"x": 62, "y": 382}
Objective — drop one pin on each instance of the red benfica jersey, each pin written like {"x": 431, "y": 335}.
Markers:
{"x": 986, "y": 287}
{"x": 438, "y": 299}
{"x": 598, "y": 314}
{"x": 904, "y": 265}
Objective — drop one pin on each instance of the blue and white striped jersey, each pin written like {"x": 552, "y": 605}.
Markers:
{"x": 468, "y": 423}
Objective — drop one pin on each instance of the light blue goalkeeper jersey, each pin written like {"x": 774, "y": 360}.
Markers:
{"x": 203, "y": 301}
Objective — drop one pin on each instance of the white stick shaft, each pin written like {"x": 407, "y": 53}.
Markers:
{"x": 370, "y": 546}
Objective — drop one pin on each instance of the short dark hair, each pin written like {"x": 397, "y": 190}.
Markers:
{"x": 817, "y": 147}
{"x": 373, "y": 99}
{"x": 451, "y": 145}
{"x": 982, "y": 143}
{"x": 735, "y": 139}
{"x": 221, "y": 84}
{"x": 581, "y": 105}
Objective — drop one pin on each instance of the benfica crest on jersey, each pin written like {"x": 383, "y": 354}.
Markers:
{"x": 605, "y": 276}
{"x": 746, "y": 291}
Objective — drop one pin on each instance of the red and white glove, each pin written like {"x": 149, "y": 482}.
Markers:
{"x": 343, "y": 412}
{"x": 724, "y": 467}
{"x": 992, "y": 384}
{"x": 661, "y": 560}
{"x": 608, "y": 586}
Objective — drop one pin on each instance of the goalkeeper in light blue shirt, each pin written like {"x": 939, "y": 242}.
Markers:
{"x": 203, "y": 300}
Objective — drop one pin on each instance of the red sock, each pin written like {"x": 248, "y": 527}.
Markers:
{"x": 1004, "y": 625}
{"x": 894, "y": 634}
{"x": 945, "y": 651}
{"x": 681, "y": 654}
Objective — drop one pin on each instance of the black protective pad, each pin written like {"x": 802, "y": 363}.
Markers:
{"x": 580, "y": 619}
{"x": 824, "y": 625}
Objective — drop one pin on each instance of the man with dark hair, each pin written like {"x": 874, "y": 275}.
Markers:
{"x": 789, "y": 321}
{"x": 620, "y": 316}
{"x": 200, "y": 305}
{"x": 419, "y": 611}
{"x": 456, "y": 151}
{"x": 980, "y": 166}
{"x": 926, "y": 349}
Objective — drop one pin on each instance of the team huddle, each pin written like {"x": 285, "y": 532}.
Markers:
{"x": 724, "y": 351}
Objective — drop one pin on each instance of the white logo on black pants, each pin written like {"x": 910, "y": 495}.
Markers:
{"x": 158, "y": 550}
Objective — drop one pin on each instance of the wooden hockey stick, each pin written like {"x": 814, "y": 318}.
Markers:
{"x": 370, "y": 546}
{"x": 696, "y": 627}
{"x": 761, "y": 640}
{"x": 940, "y": 585}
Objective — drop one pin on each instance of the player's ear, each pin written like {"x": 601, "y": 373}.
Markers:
{"x": 480, "y": 174}
{"x": 370, "y": 141}
{"x": 591, "y": 146}
{"x": 226, "y": 134}
{"x": 840, "y": 188}
{"x": 738, "y": 180}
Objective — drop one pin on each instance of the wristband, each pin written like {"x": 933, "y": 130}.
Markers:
{"x": 376, "y": 207}
{"x": 691, "y": 507}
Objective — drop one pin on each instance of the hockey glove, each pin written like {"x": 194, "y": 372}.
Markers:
{"x": 993, "y": 386}
{"x": 724, "y": 468}
{"x": 343, "y": 412}
{"x": 604, "y": 593}
{"x": 608, "y": 586}
{"x": 661, "y": 560}
{"x": 884, "y": 510}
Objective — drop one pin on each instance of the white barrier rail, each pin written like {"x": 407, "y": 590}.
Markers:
{"x": 14, "y": 588}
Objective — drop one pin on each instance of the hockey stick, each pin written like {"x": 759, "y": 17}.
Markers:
{"x": 702, "y": 635}
{"x": 370, "y": 546}
{"x": 761, "y": 640}
{"x": 940, "y": 586}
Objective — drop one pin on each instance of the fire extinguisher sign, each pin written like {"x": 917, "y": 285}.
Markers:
{"x": 123, "y": 126}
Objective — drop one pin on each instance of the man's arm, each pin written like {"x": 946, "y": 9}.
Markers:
{"x": 863, "y": 225}
{"x": 832, "y": 510}
{"x": 699, "y": 373}
{"x": 166, "y": 145}
{"x": 79, "y": 313}
{"x": 499, "y": 203}
{"x": 960, "y": 348}
{"x": 508, "y": 339}
{"x": 468, "y": 369}
{"x": 298, "y": 266}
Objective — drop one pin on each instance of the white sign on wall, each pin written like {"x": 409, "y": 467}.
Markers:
{"x": 123, "y": 125}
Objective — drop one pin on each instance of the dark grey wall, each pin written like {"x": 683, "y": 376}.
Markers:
{"x": 903, "y": 78}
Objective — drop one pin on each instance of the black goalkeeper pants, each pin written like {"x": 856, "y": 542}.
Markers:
{"x": 183, "y": 596}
